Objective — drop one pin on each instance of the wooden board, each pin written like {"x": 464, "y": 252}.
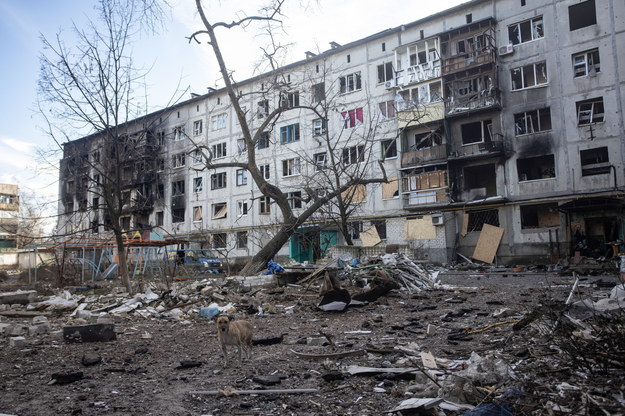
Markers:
{"x": 419, "y": 229}
{"x": 390, "y": 189}
{"x": 465, "y": 224}
{"x": 488, "y": 243}
{"x": 370, "y": 237}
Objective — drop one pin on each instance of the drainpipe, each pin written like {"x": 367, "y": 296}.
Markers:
{"x": 614, "y": 174}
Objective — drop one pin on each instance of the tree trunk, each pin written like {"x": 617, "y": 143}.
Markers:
{"x": 123, "y": 264}
{"x": 269, "y": 250}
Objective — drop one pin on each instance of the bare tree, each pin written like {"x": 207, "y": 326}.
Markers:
{"x": 276, "y": 84}
{"x": 92, "y": 88}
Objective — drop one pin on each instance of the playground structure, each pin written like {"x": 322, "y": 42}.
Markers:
{"x": 91, "y": 259}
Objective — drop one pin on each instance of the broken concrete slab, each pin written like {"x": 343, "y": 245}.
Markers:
{"x": 20, "y": 297}
{"x": 89, "y": 333}
{"x": 17, "y": 342}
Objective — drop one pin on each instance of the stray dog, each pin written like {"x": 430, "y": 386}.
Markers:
{"x": 237, "y": 333}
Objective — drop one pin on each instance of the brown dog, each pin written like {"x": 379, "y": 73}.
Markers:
{"x": 237, "y": 333}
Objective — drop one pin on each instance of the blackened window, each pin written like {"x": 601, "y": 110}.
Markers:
{"x": 582, "y": 15}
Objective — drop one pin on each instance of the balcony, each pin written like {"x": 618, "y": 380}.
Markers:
{"x": 488, "y": 149}
{"x": 468, "y": 60}
{"x": 481, "y": 100}
{"x": 422, "y": 199}
{"x": 425, "y": 181}
{"x": 419, "y": 73}
{"x": 419, "y": 157}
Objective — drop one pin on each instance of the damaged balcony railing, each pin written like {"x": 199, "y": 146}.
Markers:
{"x": 421, "y": 156}
{"x": 419, "y": 73}
{"x": 483, "y": 99}
{"x": 486, "y": 147}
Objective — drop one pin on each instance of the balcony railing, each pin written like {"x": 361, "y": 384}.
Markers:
{"x": 488, "y": 148}
{"x": 478, "y": 101}
{"x": 423, "y": 181}
{"x": 468, "y": 60}
{"x": 428, "y": 197}
{"x": 422, "y": 156}
{"x": 419, "y": 73}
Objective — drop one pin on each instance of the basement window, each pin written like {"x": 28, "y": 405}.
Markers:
{"x": 476, "y": 132}
{"x": 536, "y": 168}
{"x": 590, "y": 111}
{"x": 595, "y": 161}
{"x": 219, "y": 240}
{"x": 540, "y": 216}
{"x": 582, "y": 15}
{"x": 478, "y": 218}
{"x": 220, "y": 210}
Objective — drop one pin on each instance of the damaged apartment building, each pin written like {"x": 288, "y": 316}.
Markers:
{"x": 496, "y": 120}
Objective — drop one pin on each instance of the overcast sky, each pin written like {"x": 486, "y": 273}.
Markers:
{"x": 175, "y": 64}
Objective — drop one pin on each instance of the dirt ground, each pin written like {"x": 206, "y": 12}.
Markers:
{"x": 139, "y": 372}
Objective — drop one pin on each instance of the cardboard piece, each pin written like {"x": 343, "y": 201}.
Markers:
{"x": 419, "y": 229}
{"x": 428, "y": 360}
{"x": 356, "y": 193}
{"x": 370, "y": 237}
{"x": 488, "y": 243}
{"x": 391, "y": 189}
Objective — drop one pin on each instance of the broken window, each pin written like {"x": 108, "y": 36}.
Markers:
{"x": 177, "y": 188}
{"x": 385, "y": 72}
{"x": 535, "y": 168}
{"x": 595, "y": 161}
{"x": 476, "y": 132}
{"x": 480, "y": 181}
{"x": 352, "y": 118}
{"x": 526, "y": 31}
{"x": 436, "y": 93}
{"x": 529, "y": 76}
{"x": 590, "y": 111}
{"x": 241, "y": 239}
{"x": 160, "y": 138}
{"x": 319, "y": 92}
{"x": 263, "y": 141}
{"x": 540, "y": 216}
{"x": 219, "y": 240}
{"x": 197, "y": 214}
{"x": 242, "y": 208}
{"x": 532, "y": 121}
{"x": 178, "y": 160}
{"x": 389, "y": 148}
{"x": 241, "y": 146}
{"x": 219, "y": 150}
{"x": 582, "y": 15}
{"x": 294, "y": 199}
{"x": 241, "y": 177}
{"x": 196, "y": 157}
{"x": 291, "y": 167}
{"x": 264, "y": 171}
{"x": 289, "y": 99}
{"x": 198, "y": 184}
{"x": 178, "y": 133}
{"x": 319, "y": 127}
{"x": 264, "y": 204}
{"x": 160, "y": 218}
{"x": 353, "y": 155}
{"x": 354, "y": 229}
{"x": 197, "y": 127}
{"x": 218, "y": 180}
{"x": 220, "y": 210}
{"x": 321, "y": 160}
{"x": 349, "y": 83}
{"x": 177, "y": 214}
{"x": 380, "y": 227}
{"x": 427, "y": 140}
{"x": 387, "y": 109}
{"x": 478, "y": 218}
{"x": 586, "y": 63}
{"x": 289, "y": 134}
{"x": 262, "y": 110}
{"x": 218, "y": 121}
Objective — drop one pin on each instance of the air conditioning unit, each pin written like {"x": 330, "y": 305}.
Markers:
{"x": 437, "y": 219}
{"x": 506, "y": 50}
{"x": 388, "y": 85}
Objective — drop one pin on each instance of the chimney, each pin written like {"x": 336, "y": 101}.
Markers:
{"x": 334, "y": 45}
{"x": 309, "y": 54}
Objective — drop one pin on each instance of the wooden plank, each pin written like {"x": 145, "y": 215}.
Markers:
{"x": 390, "y": 189}
{"x": 419, "y": 229}
{"x": 488, "y": 243}
{"x": 465, "y": 224}
{"x": 370, "y": 237}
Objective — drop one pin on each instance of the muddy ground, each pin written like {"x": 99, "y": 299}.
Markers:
{"x": 139, "y": 372}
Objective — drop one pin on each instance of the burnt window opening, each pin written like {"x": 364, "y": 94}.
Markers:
{"x": 590, "y": 111}
{"x": 582, "y": 15}
{"x": 480, "y": 181}
{"x": 177, "y": 188}
{"x": 380, "y": 227}
{"x": 586, "y": 63}
{"x": 427, "y": 140}
{"x": 177, "y": 214}
{"x": 160, "y": 218}
{"x": 536, "y": 168}
{"x": 241, "y": 239}
{"x": 160, "y": 190}
{"x": 533, "y": 121}
{"x": 540, "y": 216}
{"x": 219, "y": 240}
{"x": 478, "y": 218}
{"x": 595, "y": 161}
{"x": 476, "y": 132}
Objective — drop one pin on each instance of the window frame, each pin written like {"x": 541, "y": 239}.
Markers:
{"x": 353, "y": 118}
{"x": 178, "y": 188}
{"x": 197, "y": 127}
{"x": 290, "y": 133}
{"x": 387, "y": 109}
{"x": 532, "y": 23}
{"x": 586, "y": 65}
{"x": 219, "y": 210}
{"x": 523, "y": 70}
{"x": 294, "y": 199}
{"x": 291, "y": 167}
{"x": 242, "y": 208}
{"x": 264, "y": 205}
{"x": 178, "y": 160}
{"x": 383, "y": 72}
{"x": 319, "y": 127}
{"x": 593, "y": 111}
{"x": 528, "y": 118}
{"x": 485, "y": 127}
{"x": 385, "y": 149}
{"x": 241, "y": 175}
{"x": 219, "y": 180}
{"x": 198, "y": 184}
{"x": 320, "y": 161}
{"x": 350, "y": 83}
{"x": 353, "y": 155}
{"x": 219, "y": 121}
